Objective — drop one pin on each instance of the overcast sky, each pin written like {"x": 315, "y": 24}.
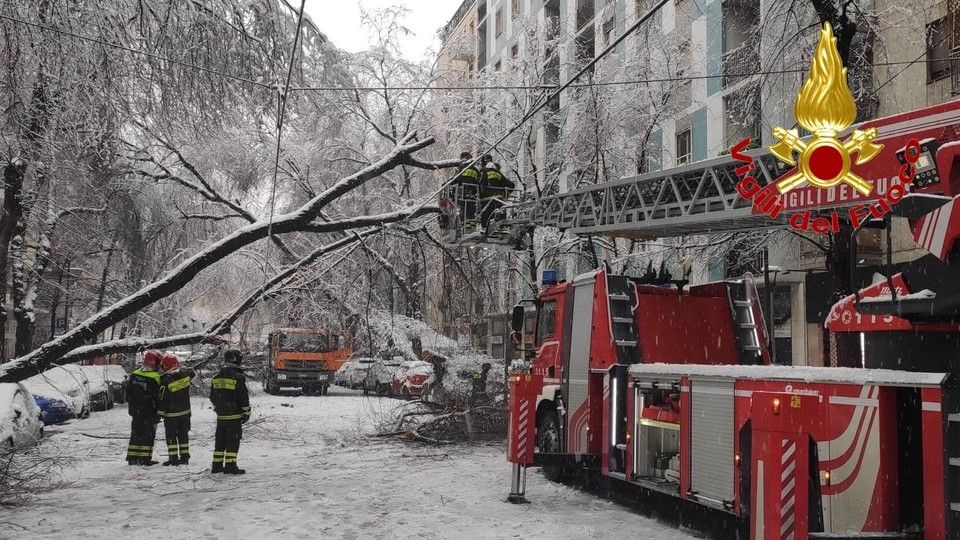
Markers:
{"x": 340, "y": 20}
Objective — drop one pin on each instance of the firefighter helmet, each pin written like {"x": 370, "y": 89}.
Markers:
{"x": 170, "y": 362}
{"x": 152, "y": 358}
{"x": 233, "y": 356}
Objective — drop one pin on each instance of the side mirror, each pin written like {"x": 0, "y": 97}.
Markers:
{"x": 516, "y": 318}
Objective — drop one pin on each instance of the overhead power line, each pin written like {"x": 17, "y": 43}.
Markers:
{"x": 541, "y": 103}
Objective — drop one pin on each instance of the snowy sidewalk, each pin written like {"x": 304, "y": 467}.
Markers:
{"x": 309, "y": 475}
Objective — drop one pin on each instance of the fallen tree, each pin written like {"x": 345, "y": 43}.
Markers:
{"x": 306, "y": 218}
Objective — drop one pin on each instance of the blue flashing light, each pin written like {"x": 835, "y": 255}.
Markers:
{"x": 549, "y": 277}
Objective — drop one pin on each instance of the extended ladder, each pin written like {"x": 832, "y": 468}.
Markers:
{"x": 696, "y": 198}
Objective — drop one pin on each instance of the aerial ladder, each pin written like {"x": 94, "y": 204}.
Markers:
{"x": 666, "y": 389}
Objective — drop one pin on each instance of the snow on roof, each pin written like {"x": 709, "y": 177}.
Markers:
{"x": 887, "y": 377}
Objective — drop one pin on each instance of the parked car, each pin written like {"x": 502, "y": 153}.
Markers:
{"x": 20, "y": 421}
{"x": 53, "y": 411}
{"x": 410, "y": 378}
{"x": 101, "y": 393}
{"x": 66, "y": 383}
{"x": 340, "y": 376}
{"x": 116, "y": 378}
{"x": 380, "y": 375}
{"x": 357, "y": 373}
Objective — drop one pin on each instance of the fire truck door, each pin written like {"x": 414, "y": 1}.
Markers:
{"x": 575, "y": 377}
{"x": 784, "y": 502}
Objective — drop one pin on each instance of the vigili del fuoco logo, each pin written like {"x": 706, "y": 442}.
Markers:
{"x": 825, "y": 107}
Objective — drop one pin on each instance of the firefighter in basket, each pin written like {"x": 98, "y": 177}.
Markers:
{"x": 494, "y": 191}
{"x": 459, "y": 203}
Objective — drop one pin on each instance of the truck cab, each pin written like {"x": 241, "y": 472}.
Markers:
{"x": 304, "y": 358}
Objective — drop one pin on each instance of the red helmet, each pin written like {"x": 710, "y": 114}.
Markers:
{"x": 169, "y": 362}
{"x": 152, "y": 359}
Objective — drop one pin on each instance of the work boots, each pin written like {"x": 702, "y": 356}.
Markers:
{"x": 171, "y": 461}
{"x": 147, "y": 462}
{"x": 184, "y": 460}
{"x": 231, "y": 468}
{"x": 217, "y": 467}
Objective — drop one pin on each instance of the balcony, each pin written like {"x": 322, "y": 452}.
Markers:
{"x": 741, "y": 62}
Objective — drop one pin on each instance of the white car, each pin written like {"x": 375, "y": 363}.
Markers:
{"x": 101, "y": 394}
{"x": 381, "y": 374}
{"x": 66, "y": 383}
{"x": 20, "y": 421}
{"x": 357, "y": 372}
{"x": 340, "y": 377}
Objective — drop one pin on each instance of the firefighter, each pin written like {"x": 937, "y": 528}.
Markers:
{"x": 228, "y": 392}
{"x": 494, "y": 191}
{"x": 143, "y": 389}
{"x": 479, "y": 391}
{"x": 434, "y": 385}
{"x": 466, "y": 190}
{"x": 175, "y": 409}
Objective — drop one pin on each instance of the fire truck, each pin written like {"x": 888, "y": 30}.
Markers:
{"x": 666, "y": 390}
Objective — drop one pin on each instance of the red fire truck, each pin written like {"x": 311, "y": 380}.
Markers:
{"x": 666, "y": 390}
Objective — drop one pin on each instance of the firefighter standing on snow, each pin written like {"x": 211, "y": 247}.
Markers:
{"x": 143, "y": 390}
{"x": 175, "y": 409}
{"x": 479, "y": 391}
{"x": 228, "y": 392}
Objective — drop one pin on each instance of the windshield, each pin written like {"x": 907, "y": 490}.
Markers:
{"x": 304, "y": 342}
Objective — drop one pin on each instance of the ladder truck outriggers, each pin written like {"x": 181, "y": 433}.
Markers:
{"x": 667, "y": 390}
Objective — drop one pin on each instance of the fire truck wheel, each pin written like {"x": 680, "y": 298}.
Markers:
{"x": 548, "y": 442}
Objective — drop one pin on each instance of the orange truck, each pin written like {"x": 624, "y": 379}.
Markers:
{"x": 304, "y": 358}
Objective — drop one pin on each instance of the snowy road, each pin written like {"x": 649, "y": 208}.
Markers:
{"x": 309, "y": 474}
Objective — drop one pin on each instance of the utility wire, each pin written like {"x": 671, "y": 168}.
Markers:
{"x": 592, "y": 84}
{"x": 541, "y": 103}
{"x": 135, "y": 51}
{"x": 282, "y": 108}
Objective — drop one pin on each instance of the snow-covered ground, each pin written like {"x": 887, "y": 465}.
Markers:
{"x": 311, "y": 472}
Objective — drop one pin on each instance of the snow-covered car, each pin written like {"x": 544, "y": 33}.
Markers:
{"x": 101, "y": 393}
{"x": 380, "y": 375}
{"x": 20, "y": 421}
{"x": 340, "y": 377}
{"x": 116, "y": 378}
{"x": 53, "y": 411}
{"x": 410, "y": 377}
{"x": 357, "y": 372}
{"x": 66, "y": 383}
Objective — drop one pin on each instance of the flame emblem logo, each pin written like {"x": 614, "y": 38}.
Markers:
{"x": 825, "y": 107}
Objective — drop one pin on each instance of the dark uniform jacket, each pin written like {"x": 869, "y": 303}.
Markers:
{"x": 228, "y": 392}
{"x": 143, "y": 393}
{"x": 470, "y": 175}
{"x": 495, "y": 184}
{"x": 175, "y": 392}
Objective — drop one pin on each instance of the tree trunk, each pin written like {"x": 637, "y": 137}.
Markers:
{"x": 13, "y": 175}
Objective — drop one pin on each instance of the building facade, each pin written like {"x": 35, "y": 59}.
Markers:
{"x": 699, "y": 76}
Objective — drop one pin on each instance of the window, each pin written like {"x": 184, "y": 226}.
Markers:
{"x": 498, "y": 22}
{"x": 608, "y": 33}
{"x": 684, "y": 146}
{"x": 497, "y": 66}
{"x": 546, "y": 321}
{"x": 515, "y": 10}
{"x": 514, "y": 51}
{"x": 938, "y": 50}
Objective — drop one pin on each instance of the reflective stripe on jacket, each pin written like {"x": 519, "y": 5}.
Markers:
{"x": 175, "y": 392}
{"x": 228, "y": 393}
